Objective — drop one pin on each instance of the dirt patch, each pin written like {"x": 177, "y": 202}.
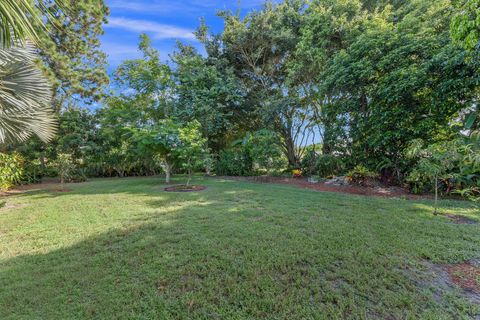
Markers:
{"x": 460, "y": 219}
{"x": 465, "y": 275}
{"x": 49, "y": 186}
{"x": 7, "y": 206}
{"x": 388, "y": 192}
{"x": 62, "y": 190}
{"x": 184, "y": 188}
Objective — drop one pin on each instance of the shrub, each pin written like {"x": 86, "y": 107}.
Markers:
{"x": 65, "y": 167}
{"x": 32, "y": 172}
{"x": 11, "y": 170}
{"x": 322, "y": 165}
{"x": 328, "y": 165}
{"x": 265, "y": 151}
{"x": 309, "y": 162}
{"x": 234, "y": 163}
{"x": 361, "y": 175}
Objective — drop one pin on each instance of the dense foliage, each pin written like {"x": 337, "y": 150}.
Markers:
{"x": 11, "y": 170}
{"x": 328, "y": 87}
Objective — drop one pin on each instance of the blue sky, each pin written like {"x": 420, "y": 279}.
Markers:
{"x": 164, "y": 21}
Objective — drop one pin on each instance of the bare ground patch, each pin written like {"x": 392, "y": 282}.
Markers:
{"x": 464, "y": 276}
{"x": 185, "y": 188}
{"x": 457, "y": 219}
{"x": 387, "y": 192}
{"x": 8, "y": 206}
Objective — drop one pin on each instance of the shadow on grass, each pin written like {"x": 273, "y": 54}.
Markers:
{"x": 130, "y": 185}
{"x": 275, "y": 255}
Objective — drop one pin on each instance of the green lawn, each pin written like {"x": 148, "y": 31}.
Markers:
{"x": 124, "y": 249}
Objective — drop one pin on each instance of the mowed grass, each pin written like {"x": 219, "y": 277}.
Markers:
{"x": 124, "y": 249}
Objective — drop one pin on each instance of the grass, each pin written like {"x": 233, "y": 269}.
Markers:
{"x": 124, "y": 249}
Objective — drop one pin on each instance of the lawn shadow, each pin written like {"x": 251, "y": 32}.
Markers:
{"x": 200, "y": 259}
{"x": 129, "y": 185}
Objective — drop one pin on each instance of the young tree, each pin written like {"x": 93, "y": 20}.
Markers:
{"x": 192, "y": 150}
{"x": 159, "y": 141}
{"x": 64, "y": 166}
{"x": 435, "y": 162}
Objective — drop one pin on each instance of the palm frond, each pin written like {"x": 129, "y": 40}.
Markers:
{"x": 25, "y": 98}
{"x": 18, "y": 19}
{"x": 21, "y": 20}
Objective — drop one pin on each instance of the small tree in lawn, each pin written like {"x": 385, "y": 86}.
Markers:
{"x": 159, "y": 141}
{"x": 192, "y": 151}
{"x": 64, "y": 166}
{"x": 435, "y": 162}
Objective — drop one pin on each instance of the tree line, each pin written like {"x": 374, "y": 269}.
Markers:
{"x": 323, "y": 86}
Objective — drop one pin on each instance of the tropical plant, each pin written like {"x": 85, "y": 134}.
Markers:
{"x": 322, "y": 165}
{"x": 234, "y": 161}
{"x": 18, "y": 19}
{"x": 23, "y": 19}
{"x": 11, "y": 170}
{"x": 435, "y": 163}
{"x": 25, "y": 97}
{"x": 266, "y": 151}
{"x": 25, "y": 94}
{"x": 360, "y": 175}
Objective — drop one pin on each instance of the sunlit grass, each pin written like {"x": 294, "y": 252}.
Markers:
{"x": 123, "y": 248}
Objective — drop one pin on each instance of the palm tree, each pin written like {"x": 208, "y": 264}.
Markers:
{"x": 22, "y": 19}
{"x": 25, "y": 97}
{"x": 25, "y": 94}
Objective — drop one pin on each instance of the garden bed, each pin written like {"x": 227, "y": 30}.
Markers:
{"x": 185, "y": 188}
{"x": 388, "y": 192}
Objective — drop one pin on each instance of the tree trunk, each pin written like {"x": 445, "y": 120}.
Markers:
{"x": 327, "y": 139}
{"x": 189, "y": 177}
{"x": 168, "y": 171}
{"x": 436, "y": 196}
{"x": 293, "y": 161}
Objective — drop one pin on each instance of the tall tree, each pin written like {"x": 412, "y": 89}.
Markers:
{"x": 70, "y": 49}
{"x": 148, "y": 78}
{"x": 209, "y": 94}
{"x": 465, "y": 27}
{"x": 260, "y": 47}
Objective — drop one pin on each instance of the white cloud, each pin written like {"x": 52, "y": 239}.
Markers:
{"x": 189, "y": 6}
{"x": 156, "y": 7}
{"x": 117, "y": 52}
{"x": 157, "y": 30}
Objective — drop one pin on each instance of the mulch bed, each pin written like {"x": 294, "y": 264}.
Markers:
{"x": 465, "y": 275}
{"x": 460, "y": 219}
{"x": 388, "y": 192}
{"x": 183, "y": 188}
